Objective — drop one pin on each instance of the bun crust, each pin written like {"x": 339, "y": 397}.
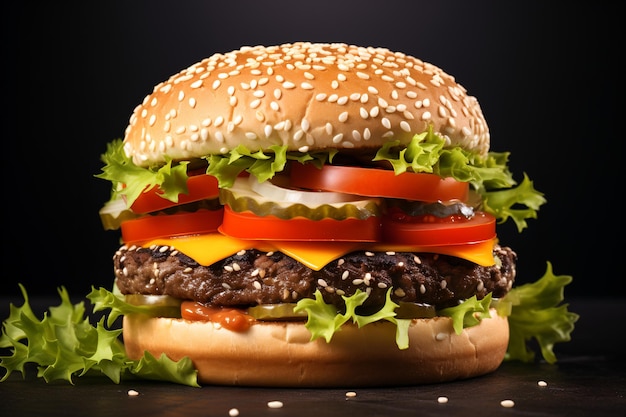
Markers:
{"x": 279, "y": 354}
{"x": 303, "y": 95}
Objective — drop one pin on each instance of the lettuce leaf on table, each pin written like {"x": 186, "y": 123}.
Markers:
{"x": 64, "y": 344}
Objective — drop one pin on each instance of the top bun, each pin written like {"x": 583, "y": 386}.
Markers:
{"x": 306, "y": 96}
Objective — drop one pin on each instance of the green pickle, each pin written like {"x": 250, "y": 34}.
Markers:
{"x": 114, "y": 213}
{"x": 415, "y": 311}
{"x": 164, "y": 305}
{"x": 276, "y": 312}
{"x": 241, "y": 198}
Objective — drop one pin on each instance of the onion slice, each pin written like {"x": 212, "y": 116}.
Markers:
{"x": 280, "y": 193}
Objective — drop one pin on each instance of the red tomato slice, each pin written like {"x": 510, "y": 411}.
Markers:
{"x": 449, "y": 231}
{"x": 373, "y": 182}
{"x": 200, "y": 187}
{"x": 247, "y": 225}
{"x": 179, "y": 224}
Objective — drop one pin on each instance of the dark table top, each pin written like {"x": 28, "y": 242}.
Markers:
{"x": 588, "y": 380}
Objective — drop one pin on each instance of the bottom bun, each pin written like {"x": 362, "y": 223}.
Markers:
{"x": 280, "y": 354}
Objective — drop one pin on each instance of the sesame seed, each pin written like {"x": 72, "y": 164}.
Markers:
{"x": 399, "y": 292}
{"x": 442, "y": 400}
{"x": 275, "y": 404}
{"x": 233, "y": 412}
{"x": 350, "y": 394}
{"x": 132, "y": 393}
{"x": 542, "y": 383}
{"x": 507, "y": 403}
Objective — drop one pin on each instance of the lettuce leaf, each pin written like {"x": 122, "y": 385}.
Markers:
{"x": 469, "y": 313}
{"x": 129, "y": 180}
{"x": 64, "y": 344}
{"x": 226, "y": 167}
{"x": 324, "y": 320}
{"x": 535, "y": 314}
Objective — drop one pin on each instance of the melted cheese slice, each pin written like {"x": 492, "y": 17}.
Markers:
{"x": 210, "y": 248}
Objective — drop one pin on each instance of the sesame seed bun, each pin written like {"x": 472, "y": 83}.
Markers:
{"x": 281, "y": 353}
{"x": 306, "y": 96}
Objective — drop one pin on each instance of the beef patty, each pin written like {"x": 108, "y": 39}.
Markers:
{"x": 252, "y": 277}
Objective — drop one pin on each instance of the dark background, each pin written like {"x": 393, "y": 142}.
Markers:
{"x": 547, "y": 78}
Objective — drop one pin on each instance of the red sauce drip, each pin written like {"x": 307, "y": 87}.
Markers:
{"x": 229, "y": 318}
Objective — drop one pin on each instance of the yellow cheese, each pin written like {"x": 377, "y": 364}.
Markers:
{"x": 209, "y": 248}
{"x": 480, "y": 253}
{"x": 316, "y": 255}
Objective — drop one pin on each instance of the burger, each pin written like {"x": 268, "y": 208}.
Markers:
{"x": 314, "y": 215}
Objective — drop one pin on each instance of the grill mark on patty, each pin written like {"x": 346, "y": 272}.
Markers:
{"x": 252, "y": 277}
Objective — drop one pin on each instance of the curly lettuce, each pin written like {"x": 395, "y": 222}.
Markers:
{"x": 535, "y": 313}
{"x": 64, "y": 344}
{"x": 129, "y": 180}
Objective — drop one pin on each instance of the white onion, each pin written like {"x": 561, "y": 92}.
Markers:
{"x": 281, "y": 194}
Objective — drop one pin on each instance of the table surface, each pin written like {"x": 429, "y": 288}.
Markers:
{"x": 588, "y": 379}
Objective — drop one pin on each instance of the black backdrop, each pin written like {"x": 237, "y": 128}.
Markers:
{"x": 546, "y": 77}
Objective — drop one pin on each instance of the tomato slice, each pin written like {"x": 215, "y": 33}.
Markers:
{"x": 453, "y": 230}
{"x": 247, "y": 225}
{"x": 374, "y": 182}
{"x": 200, "y": 187}
{"x": 166, "y": 225}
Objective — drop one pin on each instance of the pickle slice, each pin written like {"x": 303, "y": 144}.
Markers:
{"x": 415, "y": 311}
{"x": 240, "y": 197}
{"x": 161, "y": 305}
{"x": 276, "y": 312}
{"x": 114, "y": 212}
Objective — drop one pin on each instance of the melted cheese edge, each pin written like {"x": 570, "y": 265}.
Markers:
{"x": 209, "y": 248}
